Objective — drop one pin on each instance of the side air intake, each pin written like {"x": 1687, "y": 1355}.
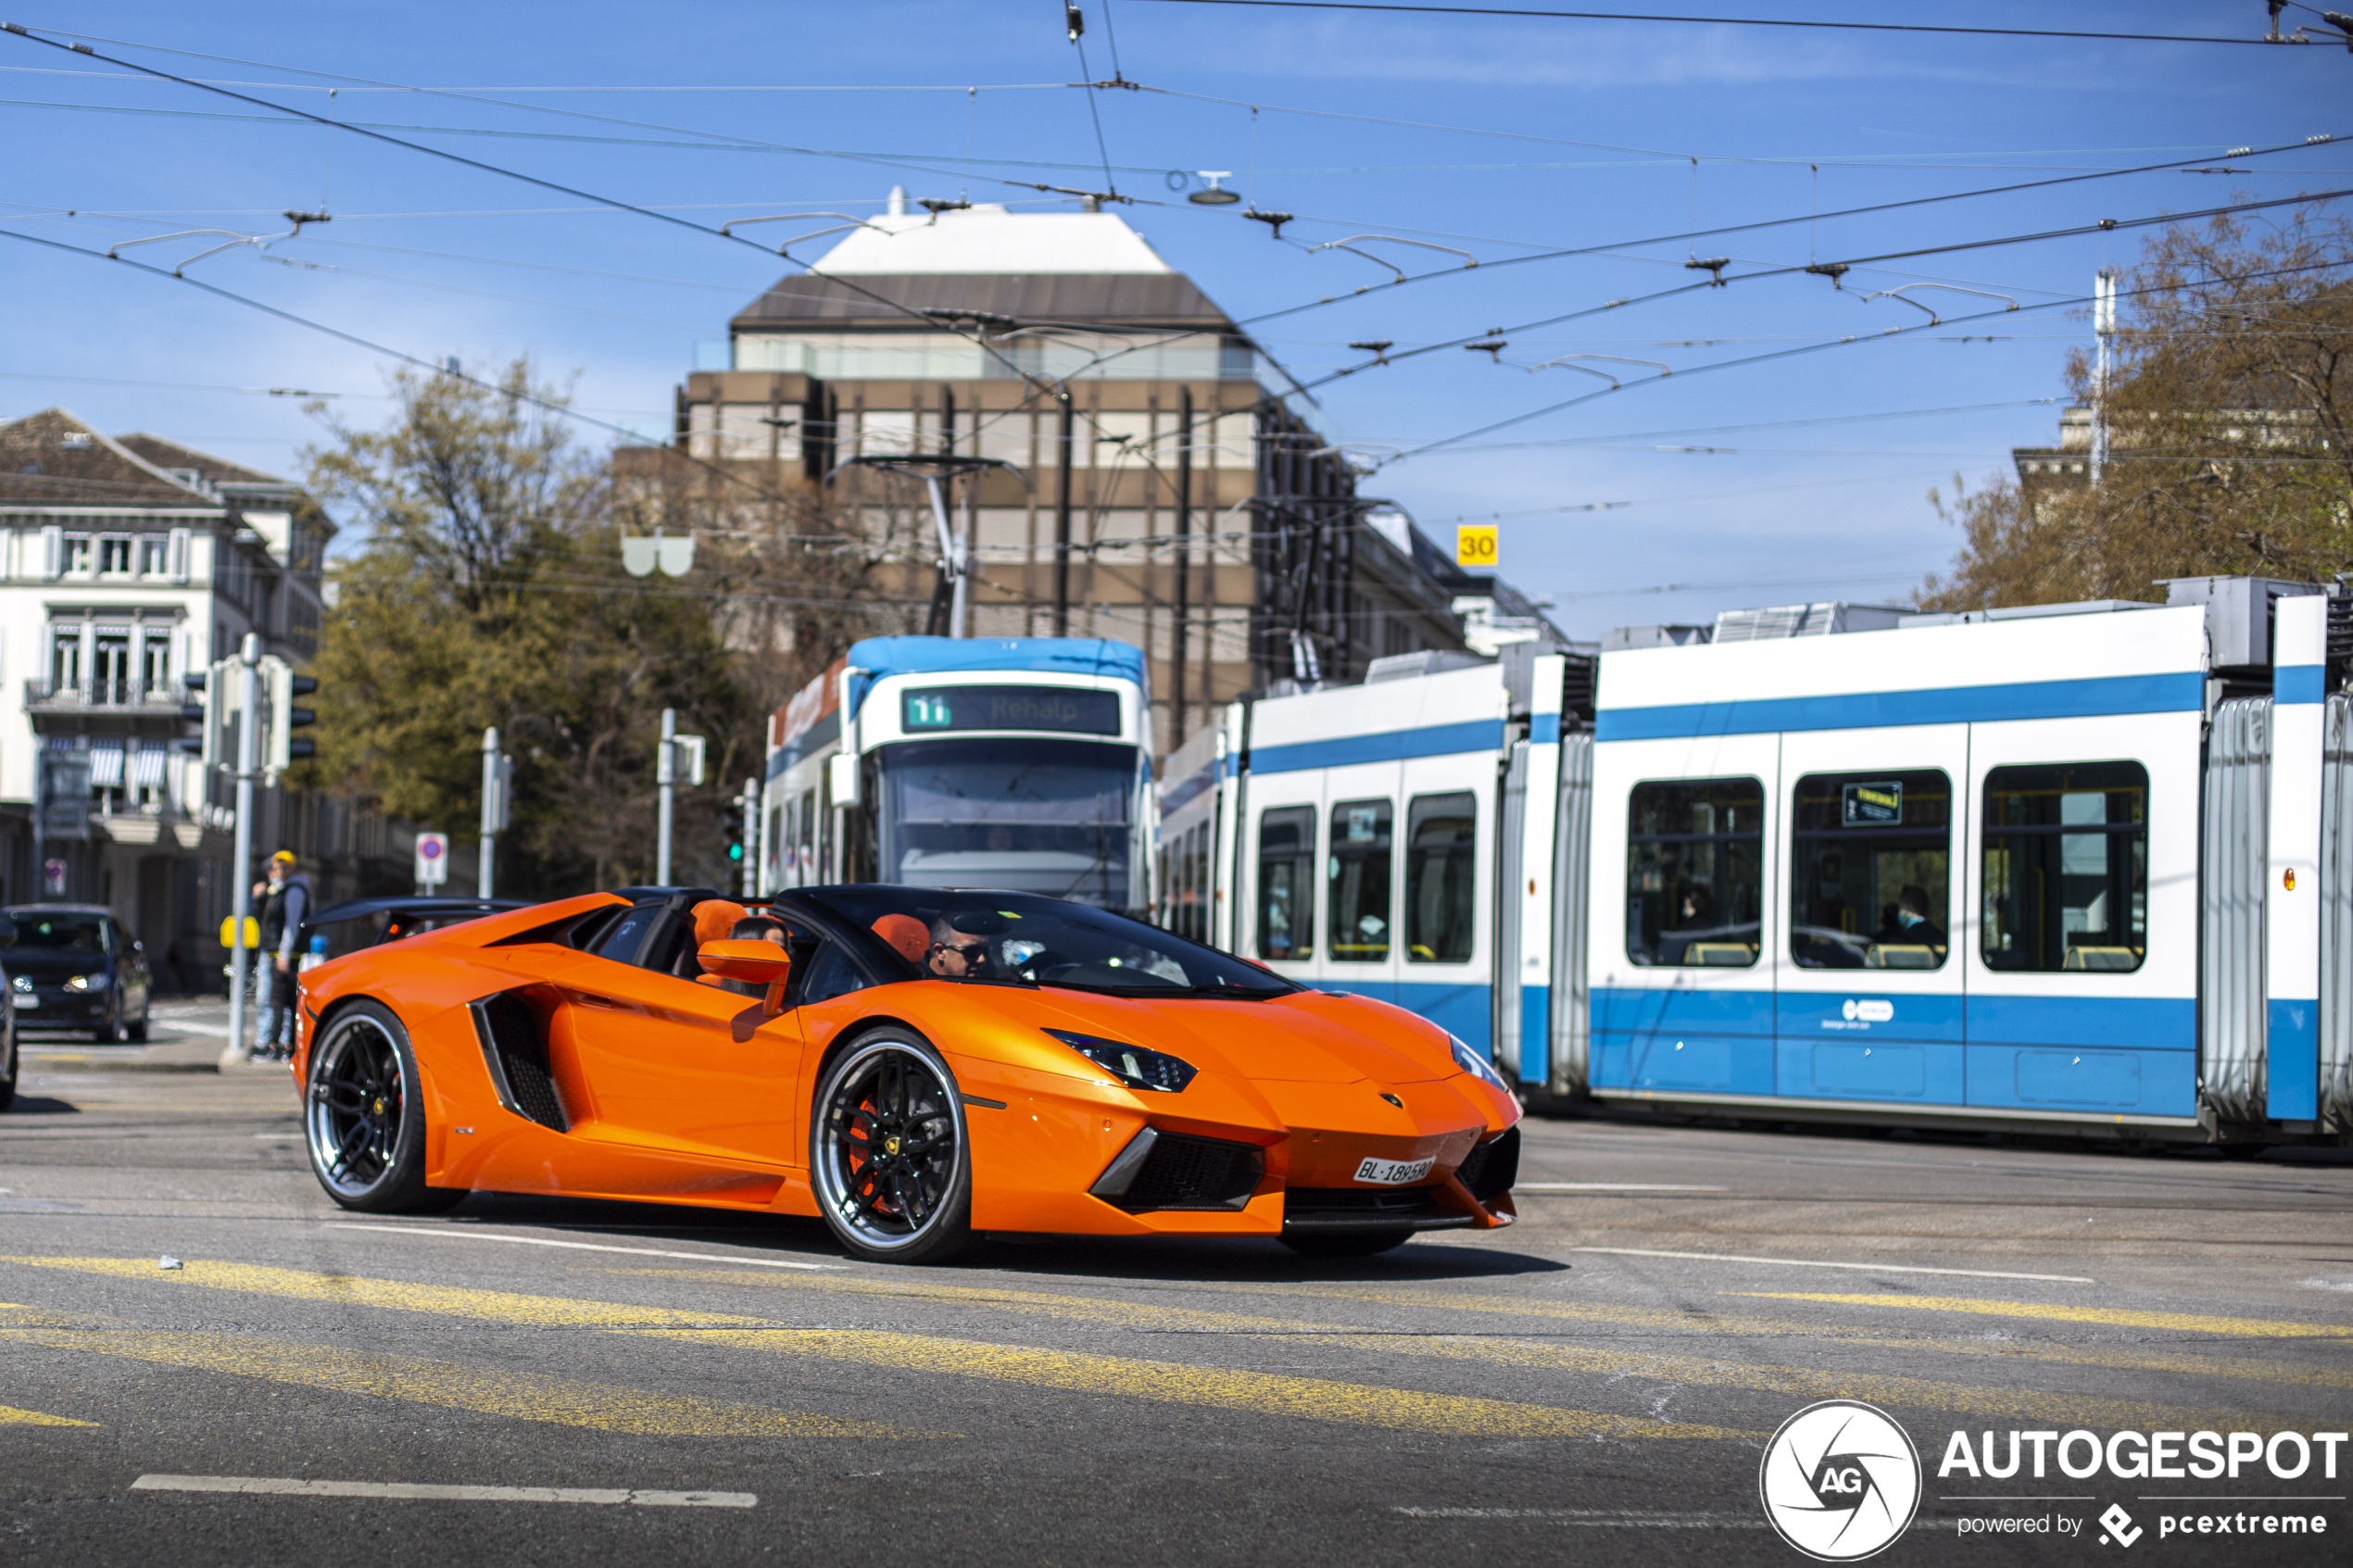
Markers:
{"x": 514, "y": 1047}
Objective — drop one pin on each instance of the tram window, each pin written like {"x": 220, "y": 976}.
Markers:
{"x": 1287, "y": 882}
{"x": 1441, "y": 876}
{"x": 1870, "y": 869}
{"x": 1359, "y": 874}
{"x": 2067, "y": 868}
{"x": 1694, "y": 860}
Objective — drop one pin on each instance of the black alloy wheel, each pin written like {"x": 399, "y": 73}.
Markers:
{"x": 8, "y": 1061}
{"x": 888, "y": 1154}
{"x": 363, "y": 1116}
{"x": 1346, "y": 1244}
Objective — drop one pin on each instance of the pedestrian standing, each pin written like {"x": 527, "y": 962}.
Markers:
{"x": 284, "y": 902}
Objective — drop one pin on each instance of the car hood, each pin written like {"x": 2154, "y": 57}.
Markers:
{"x": 1306, "y": 1036}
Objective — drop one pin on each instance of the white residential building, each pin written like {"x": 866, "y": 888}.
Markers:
{"x": 127, "y": 562}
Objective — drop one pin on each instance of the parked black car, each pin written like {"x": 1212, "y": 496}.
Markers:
{"x": 74, "y": 966}
{"x": 366, "y": 922}
{"x": 7, "y": 1022}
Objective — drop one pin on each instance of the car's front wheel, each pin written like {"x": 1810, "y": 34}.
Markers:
{"x": 363, "y": 1116}
{"x": 8, "y": 1063}
{"x": 888, "y": 1154}
{"x": 110, "y": 1032}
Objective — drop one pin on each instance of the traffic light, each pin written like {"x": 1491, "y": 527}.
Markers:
{"x": 197, "y": 710}
{"x": 284, "y": 686}
{"x": 735, "y": 824}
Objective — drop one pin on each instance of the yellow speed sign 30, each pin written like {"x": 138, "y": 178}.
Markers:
{"x": 1475, "y": 544}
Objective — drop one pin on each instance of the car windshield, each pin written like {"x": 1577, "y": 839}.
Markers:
{"x": 1019, "y": 939}
{"x": 48, "y": 932}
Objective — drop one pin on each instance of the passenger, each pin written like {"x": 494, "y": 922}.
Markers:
{"x": 1699, "y": 907}
{"x": 953, "y": 955}
{"x": 1910, "y": 927}
{"x": 908, "y": 937}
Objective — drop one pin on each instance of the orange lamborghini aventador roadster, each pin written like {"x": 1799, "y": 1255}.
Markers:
{"x": 918, "y": 1066}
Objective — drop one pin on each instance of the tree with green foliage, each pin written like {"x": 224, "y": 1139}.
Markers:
{"x": 489, "y": 590}
{"x": 2228, "y": 411}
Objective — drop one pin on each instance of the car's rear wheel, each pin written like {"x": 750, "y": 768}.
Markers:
{"x": 363, "y": 1116}
{"x": 888, "y": 1154}
{"x": 1346, "y": 1244}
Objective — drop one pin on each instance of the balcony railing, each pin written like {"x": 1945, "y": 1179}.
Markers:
{"x": 49, "y": 695}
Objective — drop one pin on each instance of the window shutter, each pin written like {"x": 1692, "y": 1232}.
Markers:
{"x": 53, "y": 552}
{"x": 179, "y": 555}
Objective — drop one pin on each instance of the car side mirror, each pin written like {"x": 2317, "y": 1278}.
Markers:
{"x": 761, "y": 963}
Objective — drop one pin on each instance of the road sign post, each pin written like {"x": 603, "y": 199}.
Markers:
{"x": 248, "y": 667}
{"x": 433, "y": 861}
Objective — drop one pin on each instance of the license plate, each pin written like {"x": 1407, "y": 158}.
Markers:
{"x": 26, "y": 1002}
{"x": 1393, "y": 1172}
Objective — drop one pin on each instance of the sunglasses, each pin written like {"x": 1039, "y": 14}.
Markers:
{"x": 965, "y": 950}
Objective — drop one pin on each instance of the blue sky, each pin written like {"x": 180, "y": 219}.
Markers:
{"x": 1526, "y": 136}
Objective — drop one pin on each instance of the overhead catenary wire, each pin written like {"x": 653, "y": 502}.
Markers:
{"x": 1719, "y": 21}
{"x": 1814, "y": 348}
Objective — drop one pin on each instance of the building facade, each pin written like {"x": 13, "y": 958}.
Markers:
{"x": 127, "y": 562}
{"x": 1150, "y": 476}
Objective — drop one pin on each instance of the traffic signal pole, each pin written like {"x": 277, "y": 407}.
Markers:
{"x": 241, "y": 869}
{"x": 665, "y": 775}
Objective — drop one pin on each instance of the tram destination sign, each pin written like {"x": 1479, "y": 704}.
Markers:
{"x": 1871, "y": 805}
{"x": 938, "y": 708}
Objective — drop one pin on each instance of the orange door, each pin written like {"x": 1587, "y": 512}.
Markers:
{"x": 663, "y": 1069}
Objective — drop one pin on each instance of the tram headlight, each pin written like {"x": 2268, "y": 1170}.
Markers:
{"x": 1132, "y": 1065}
{"x": 1475, "y": 1064}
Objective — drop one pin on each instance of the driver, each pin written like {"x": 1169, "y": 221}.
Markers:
{"x": 953, "y": 955}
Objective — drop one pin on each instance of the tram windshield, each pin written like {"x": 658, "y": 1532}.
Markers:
{"x": 1052, "y": 817}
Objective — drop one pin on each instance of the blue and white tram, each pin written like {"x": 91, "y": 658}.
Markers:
{"x": 1021, "y": 764}
{"x": 2088, "y": 866}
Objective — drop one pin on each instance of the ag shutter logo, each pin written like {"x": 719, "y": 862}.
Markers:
{"x": 1840, "y": 1480}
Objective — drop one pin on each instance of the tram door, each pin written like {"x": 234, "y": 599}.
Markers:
{"x": 1868, "y": 982}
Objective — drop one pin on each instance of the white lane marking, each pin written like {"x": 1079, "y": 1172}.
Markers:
{"x": 1616, "y": 1518}
{"x": 1611, "y": 1187}
{"x": 1817, "y": 1263}
{"x": 578, "y": 1246}
{"x": 289, "y": 1486}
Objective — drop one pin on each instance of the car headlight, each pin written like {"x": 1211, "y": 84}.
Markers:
{"x": 87, "y": 983}
{"x": 1132, "y": 1065}
{"x": 21, "y": 985}
{"x": 1477, "y": 1066}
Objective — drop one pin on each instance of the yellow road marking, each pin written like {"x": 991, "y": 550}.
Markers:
{"x": 500, "y": 1306}
{"x": 1312, "y": 1398}
{"x": 518, "y": 1396}
{"x": 2118, "y": 1317}
{"x": 1109, "y": 1309}
{"x": 2015, "y": 1405}
{"x": 11, "y": 1416}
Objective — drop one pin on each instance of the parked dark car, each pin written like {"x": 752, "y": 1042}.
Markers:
{"x": 7, "y": 1021}
{"x": 366, "y": 922}
{"x": 74, "y": 966}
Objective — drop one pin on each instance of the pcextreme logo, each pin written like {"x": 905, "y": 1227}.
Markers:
{"x": 1840, "y": 1480}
